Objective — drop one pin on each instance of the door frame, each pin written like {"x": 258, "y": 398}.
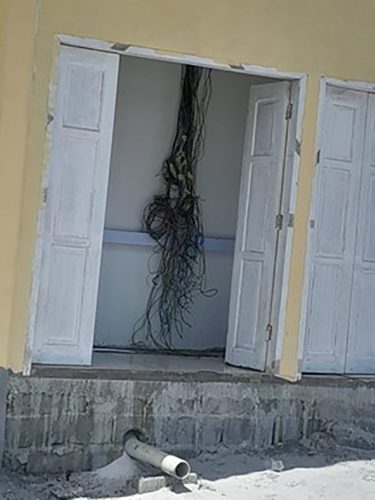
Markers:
{"x": 299, "y": 84}
{"x": 325, "y": 82}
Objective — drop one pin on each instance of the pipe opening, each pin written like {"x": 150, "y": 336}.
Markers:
{"x": 182, "y": 470}
{"x": 137, "y": 433}
{"x": 169, "y": 464}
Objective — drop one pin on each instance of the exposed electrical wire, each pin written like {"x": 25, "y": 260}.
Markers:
{"x": 174, "y": 220}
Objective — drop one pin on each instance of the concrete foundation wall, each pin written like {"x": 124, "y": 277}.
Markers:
{"x": 67, "y": 424}
{"x": 3, "y": 396}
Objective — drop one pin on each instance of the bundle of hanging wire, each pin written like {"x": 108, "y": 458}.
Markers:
{"x": 174, "y": 220}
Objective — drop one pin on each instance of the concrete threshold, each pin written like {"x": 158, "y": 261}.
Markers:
{"x": 163, "y": 367}
{"x": 178, "y": 368}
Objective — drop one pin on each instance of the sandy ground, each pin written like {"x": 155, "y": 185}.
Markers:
{"x": 318, "y": 469}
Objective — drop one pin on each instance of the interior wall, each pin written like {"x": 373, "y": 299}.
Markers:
{"x": 147, "y": 105}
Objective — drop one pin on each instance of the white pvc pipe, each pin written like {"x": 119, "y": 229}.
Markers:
{"x": 171, "y": 465}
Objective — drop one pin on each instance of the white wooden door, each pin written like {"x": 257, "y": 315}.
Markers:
{"x": 256, "y": 236}
{"x": 360, "y": 356}
{"x": 75, "y": 206}
{"x": 333, "y": 230}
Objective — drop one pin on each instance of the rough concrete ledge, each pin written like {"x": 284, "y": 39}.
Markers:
{"x": 234, "y": 375}
{"x": 90, "y": 373}
{"x": 67, "y": 424}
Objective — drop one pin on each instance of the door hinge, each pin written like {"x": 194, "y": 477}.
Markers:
{"x": 279, "y": 222}
{"x": 45, "y": 195}
{"x": 298, "y": 147}
{"x": 269, "y": 330}
{"x": 50, "y": 118}
{"x": 289, "y": 111}
{"x": 290, "y": 220}
{"x": 318, "y": 157}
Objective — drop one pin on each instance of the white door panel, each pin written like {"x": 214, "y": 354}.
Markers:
{"x": 361, "y": 341}
{"x": 256, "y": 235}
{"x": 75, "y": 208}
{"x": 333, "y": 230}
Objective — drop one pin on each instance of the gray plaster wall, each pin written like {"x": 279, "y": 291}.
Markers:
{"x": 68, "y": 425}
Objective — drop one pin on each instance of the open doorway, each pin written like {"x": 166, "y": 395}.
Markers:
{"x": 93, "y": 238}
{"x": 145, "y": 120}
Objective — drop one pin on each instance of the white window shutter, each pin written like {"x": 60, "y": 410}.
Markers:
{"x": 78, "y": 173}
{"x": 256, "y": 235}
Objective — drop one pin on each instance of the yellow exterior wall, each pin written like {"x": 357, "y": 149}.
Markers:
{"x": 332, "y": 37}
{"x": 4, "y": 287}
{"x": 17, "y": 25}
